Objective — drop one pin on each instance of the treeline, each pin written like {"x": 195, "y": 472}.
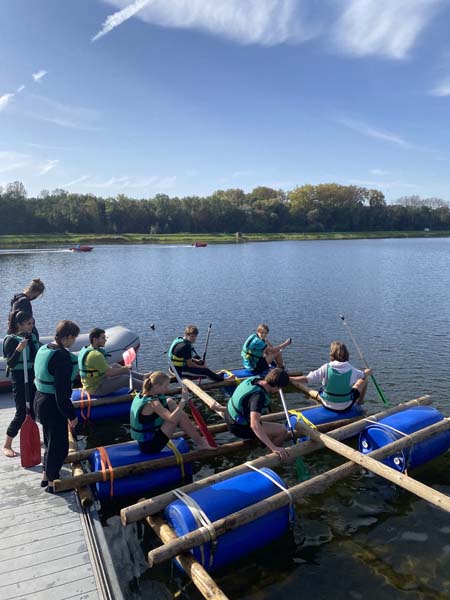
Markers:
{"x": 309, "y": 208}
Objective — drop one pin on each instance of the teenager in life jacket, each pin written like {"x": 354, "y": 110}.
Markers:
{"x": 19, "y": 341}
{"x": 258, "y": 353}
{"x": 250, "y": 400}
{"x": 342, "y": 384}
{"x": 23, "y": 300}
{"x": 98, "y": 377}
{"x": 185, "y": 358}
{"x": 154, "y": 417}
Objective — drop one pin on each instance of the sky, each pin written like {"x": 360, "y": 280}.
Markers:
{"x": 185, "y": 97}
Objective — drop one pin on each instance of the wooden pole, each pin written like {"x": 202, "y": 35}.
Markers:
{"x": 144, "y": 508}
{"x": 200, "y": 578}
{"x": 308, "y": 391}
{"x": 296, "y": 493}
{"x": 69, "y": 483}
{"x": 84, "y": 493}
{"x": 105, "y": 400}
{"x": 204, "y": 396}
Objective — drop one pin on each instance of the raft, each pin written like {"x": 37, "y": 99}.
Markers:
{"x": 395, "y": 427}
{"x": 319, "y": 415}
{"x": 120, "y": 455}
{"x": 119, "y": 339}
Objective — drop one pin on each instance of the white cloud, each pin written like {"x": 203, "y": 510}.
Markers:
{"x": 77, "y": 181}
{"x": 5, "y": 100}
{"x": 370, "y": 131}
{"x": 383, "y": 27}
{"x": 442, "y": 89}
{"x": 242, "y": 173}
{"x": 265, "y": 22}
{"x": 9, "y": 160}
{"x": 64, "y": 115}
{"x": 386, "y": 185}
{"x": 47, "y": 166}
{"x": 39, "y": 75}
{"x": 379, "y": 172}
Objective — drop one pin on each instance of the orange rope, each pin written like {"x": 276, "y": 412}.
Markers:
{"x": 86, "y": 416}
{"x": 106, "y": 464}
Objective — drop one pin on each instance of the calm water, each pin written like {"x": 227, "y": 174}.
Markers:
{"x": 394, "y": 296}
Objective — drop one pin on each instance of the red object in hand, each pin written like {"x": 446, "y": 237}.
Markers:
{"x": 129, "y": 356}
{"x": 196, "y": 415}
{"x": 30, "y": 444}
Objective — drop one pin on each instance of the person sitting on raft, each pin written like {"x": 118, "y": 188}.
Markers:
{"x": 20, "y": 340}
{"x": 186, "y": 360}
{"x": 342, "y": 384}
{"x": 97, "y": 375}
{"x": 154, "y": 418}
{"x": 258, "y": 353}
{"x": 250, "y": 400}
{"x": 22, "y": 301}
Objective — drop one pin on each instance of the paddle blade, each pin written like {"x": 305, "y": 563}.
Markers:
{"x": 129, "y": 356}
{"x": 301, "y": 469}
{"x": 30, "y": 444}
{"x": 196, "y": 415}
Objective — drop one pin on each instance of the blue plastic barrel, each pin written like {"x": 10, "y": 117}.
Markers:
{"x": 320, "y": 415}
{"x": 377, "y": 435}
{"x": 128, "y": 454}
{"x": 105, "y": 411}
{"x": 222, "y": 499}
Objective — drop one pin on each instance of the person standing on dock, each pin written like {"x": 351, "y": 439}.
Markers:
{"x": 186, "y": 360}
{"x": 98, "y": 377}
{"x": 154, "y": 418}
{"x": 342, "y": 384}
{"x": 250, "y": 400}
{"x": 55, "y": 370}
{"x": 20, "y": 339}
{"x": 258, "y": 353}
{"x": 23, "y": 300}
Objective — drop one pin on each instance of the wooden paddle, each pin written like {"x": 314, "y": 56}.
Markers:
{"x": 129, "y": 356}
{"x": 30, "y": 443}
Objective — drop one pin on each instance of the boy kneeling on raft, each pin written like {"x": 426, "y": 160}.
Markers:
{"x": 154, "y": 418}
{"x": 250, "y": 400}
{"x": 342, "y": 384}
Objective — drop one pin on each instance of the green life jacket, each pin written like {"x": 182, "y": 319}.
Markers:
{"x": 178, "y": 361}
{"x": 45, "y": 381}
{"x": 19, "y": 365}
{"x": 85, "y": 372}
{"x": 337, "y": 388}
{"x": 144, "y": 432}
{"x": 252, "y": 351}
{"x": 235, "y": 406}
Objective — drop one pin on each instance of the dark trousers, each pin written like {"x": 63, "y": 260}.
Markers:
{"x": 54, "y": 426}
{"x": 18, "y": 391}
{"x": 194, "y": 372}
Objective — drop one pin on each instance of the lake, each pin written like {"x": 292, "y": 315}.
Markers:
{"x": 363, "y": 538}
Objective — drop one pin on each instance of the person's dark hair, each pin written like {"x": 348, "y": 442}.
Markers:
{"x": 16, "y": 318}
{"x": 338, "y": 351}
{"x": 262, "y": 327}
{"x": 277, "y": 378}
{"x": 36, "y": 287}
{"x": 191, "y": 330}
{"x": 64, "y": 329}
{"x": 95, "y": 333}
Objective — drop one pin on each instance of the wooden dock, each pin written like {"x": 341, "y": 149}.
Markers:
{"x": 49, "y": 546}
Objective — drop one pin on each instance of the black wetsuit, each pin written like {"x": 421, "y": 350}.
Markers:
{"x": 185, "y": 350}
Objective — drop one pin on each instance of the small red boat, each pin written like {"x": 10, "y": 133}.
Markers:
{"x": 79, "y": 248}
{"x": 199, "y": 245}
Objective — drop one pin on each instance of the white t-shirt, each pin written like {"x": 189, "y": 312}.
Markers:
{"x": 320, "y": 374}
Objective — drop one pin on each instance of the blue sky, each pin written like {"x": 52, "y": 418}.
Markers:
{"x": 189, "y": 96}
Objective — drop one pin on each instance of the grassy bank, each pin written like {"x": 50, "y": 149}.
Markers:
{"x": 67, "y": 240}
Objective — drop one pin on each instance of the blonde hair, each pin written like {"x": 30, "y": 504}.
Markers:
{"x": 338, "y": 351}
{"x": 156, "y": 378}
{"x": 191, "y": 330}
{"x": 35, "y": 287}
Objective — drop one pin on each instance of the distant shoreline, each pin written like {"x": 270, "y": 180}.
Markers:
{"x": 68, "y": 240}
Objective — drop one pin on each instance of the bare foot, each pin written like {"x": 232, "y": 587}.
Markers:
{"x": 203, "y": 445}
{"x": 9, "y": 452}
